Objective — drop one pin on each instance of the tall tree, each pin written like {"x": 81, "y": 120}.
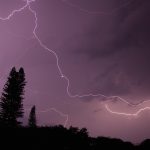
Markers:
{"x": 12, "y": 99}
{"x": 32, "y": 118}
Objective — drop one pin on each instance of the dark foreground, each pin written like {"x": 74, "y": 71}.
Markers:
{"x": 60, "y": 138}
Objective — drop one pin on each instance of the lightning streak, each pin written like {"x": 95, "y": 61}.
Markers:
{"x": 57, "y": 111}
{"x": 66, "y": 116}
{"x": 127, "y": 114}
{"x": 28, "y": 5}
{"x": 16, "y": 11}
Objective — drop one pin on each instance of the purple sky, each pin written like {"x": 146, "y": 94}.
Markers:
{"x": 103, "y": 47}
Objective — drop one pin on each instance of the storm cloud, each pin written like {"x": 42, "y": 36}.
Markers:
{"x": 102, "y": 46}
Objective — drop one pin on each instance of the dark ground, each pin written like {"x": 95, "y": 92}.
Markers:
{"x": 60, "y": 138}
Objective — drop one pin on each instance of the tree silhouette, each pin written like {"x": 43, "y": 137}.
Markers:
{"x": 32, "y": 118}
{"x": 11, "y": 100}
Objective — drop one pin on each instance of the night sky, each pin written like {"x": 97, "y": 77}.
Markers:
{"x": 103, "y": 47}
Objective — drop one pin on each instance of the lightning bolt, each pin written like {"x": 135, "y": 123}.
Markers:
{"x": 67, "y": 79}
{"x": 127, "y": 114}
{"x": 62, "y": 75}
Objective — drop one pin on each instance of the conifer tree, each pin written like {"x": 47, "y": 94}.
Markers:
{"x": 11, "y": 105}
{"x": 32, "y": 118}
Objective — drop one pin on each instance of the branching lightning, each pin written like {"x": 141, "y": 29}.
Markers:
{"x": 27, "y": 5}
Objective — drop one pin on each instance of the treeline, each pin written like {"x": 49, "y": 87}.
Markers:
{"x": 11, "y": 101}
{"x": 13, "y": 135}
{"x": 60, "y": 138}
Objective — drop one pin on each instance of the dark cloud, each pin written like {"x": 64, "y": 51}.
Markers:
{"x": 118, "y": 46}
